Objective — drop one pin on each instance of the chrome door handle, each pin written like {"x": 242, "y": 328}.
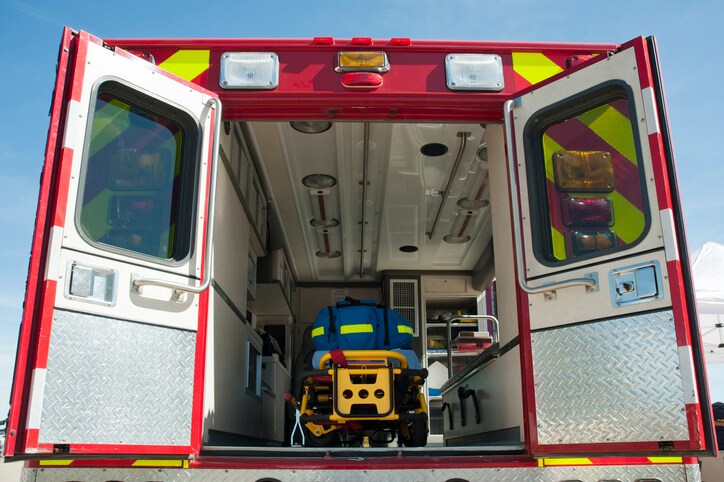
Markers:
{"x": 589, "y": 283}
{"x": 178, "y": 288}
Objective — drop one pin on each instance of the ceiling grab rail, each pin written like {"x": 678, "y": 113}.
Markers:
{"x": 589, "y": 283}
{"x": 138, "y": 283}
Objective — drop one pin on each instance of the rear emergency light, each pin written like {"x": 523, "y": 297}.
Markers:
{"x": 584, "y": 242}
{"x": 587, "y": 212}
{"x": 362, "y": 62}
{"x": 249, "y": 70}
{"x": 474, "y": 72}
{"x": 583, "y": 171}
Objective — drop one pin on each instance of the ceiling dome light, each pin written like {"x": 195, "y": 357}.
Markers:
{"x": 319, "y": 181}
{"x": 408, "y": 248}
{"x": 434, "y": 149}
{"x": 311, "y": 127}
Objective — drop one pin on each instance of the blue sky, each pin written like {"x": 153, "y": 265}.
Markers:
{"x": 689, "y": 36}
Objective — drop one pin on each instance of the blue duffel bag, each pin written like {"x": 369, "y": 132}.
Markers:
{"x": 360, "y": 325}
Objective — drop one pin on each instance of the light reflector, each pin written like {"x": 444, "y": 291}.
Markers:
{"x": 474, "y": 72}
{"x": 249, "y": 70}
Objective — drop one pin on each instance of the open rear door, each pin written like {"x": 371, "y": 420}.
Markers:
{"x": 613, "y": 343}
{"x": 110, "y": 356}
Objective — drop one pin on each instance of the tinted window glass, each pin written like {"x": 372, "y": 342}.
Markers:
{"x": 136, "y": 194}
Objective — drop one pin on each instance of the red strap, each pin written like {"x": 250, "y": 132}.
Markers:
{"x": 338, "y": 357}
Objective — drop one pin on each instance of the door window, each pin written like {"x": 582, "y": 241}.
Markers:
{"x": 138, "y": 175}
{"x": 592, "y": 200}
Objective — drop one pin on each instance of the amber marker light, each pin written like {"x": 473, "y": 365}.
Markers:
{"x": 362, "y": 62}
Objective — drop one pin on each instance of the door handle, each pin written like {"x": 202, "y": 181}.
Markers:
{"x": 179, "y": 289}
{"x": 448, "y": 407}
{"x": 464, "y": 393}
{"x": 589, "y": 283}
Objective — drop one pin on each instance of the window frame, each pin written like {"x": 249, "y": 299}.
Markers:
{"x": 185, "y": 196}
{"x": 539, "y": 205}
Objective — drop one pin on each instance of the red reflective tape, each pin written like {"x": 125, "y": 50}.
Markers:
{"x": 642, "y": 62}
{"x": 48, "y": 292}
{"x": 661, "y": 175}
{"x": 694, "y": 419}
{"x": 31, "y": 438}
{"x": 678, "y": 302}
{"x": 78, "y": 72}
{"x": 62, "y": 185}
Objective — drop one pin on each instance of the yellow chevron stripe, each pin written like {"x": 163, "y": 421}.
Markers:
{"x": 549, "y": 147}
{"x": 187, "y": 64}
{"x": 56, "y": 463}
{"x": 666, "y": 460}
{"x": 158, "y": 463}
{"x": 405, "y": 329}
{"x": 559, "y": 244}
{"x": 319, "y": 331}
{"x": 581, "y": 461}
{"x": 630, "y": 221}
{"x": 613, "y": 127}
{"x": 534, "y": 67}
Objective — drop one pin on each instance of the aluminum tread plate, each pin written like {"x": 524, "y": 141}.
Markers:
{"x": 111, "y": 381}
{"x": 668, "y": 473}
{"x": 611, "y": 381}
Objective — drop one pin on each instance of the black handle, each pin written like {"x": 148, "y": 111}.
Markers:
{"x": 448, "y": 407}
{"x": 463, "y": 393}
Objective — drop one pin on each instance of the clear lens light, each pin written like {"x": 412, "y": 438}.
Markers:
{"x": 249, "y": 70}
{"x": 474, "y": 72}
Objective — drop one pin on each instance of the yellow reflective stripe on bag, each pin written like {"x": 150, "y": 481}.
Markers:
{"x": 361, "y": 328}
{"x": 405, "y": 329}
{"x": 319, "y": 331}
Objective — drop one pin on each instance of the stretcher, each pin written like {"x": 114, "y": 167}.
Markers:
{"x": 366, "y": 398}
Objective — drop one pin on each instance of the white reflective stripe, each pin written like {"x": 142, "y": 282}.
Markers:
{"x": 37, "y": 391}
{"x": 667, "y": 230}
{"x": 686, "y": 367}
{"x": 52, "y": 260}
{"x": 72, "y": 121}
{"x": 650, "y": 110}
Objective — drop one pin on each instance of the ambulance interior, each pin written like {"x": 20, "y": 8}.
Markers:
{"x": 311, "y": 212}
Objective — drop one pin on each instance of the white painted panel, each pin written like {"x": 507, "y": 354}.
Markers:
{"x": 231, "y": 242}
{"x": 129, "y": 304}
{"x": 37, "y": 390}
{"x": 651, "y": 111}
{"x": 669, "y": 233}
{"x": 52, "y": 265}
{"x": 575, "y": 304}
{"x": 229, "y": 407}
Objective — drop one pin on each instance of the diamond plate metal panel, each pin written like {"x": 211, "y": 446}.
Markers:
{"x": 611, "y": 381}
{"x": 668, "y": 473}
{"x": 117, "y": 382}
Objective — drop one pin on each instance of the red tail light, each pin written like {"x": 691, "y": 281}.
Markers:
{"x": 587, "y": 211}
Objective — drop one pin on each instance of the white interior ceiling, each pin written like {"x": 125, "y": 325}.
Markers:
{"x": 404, "y": 193}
